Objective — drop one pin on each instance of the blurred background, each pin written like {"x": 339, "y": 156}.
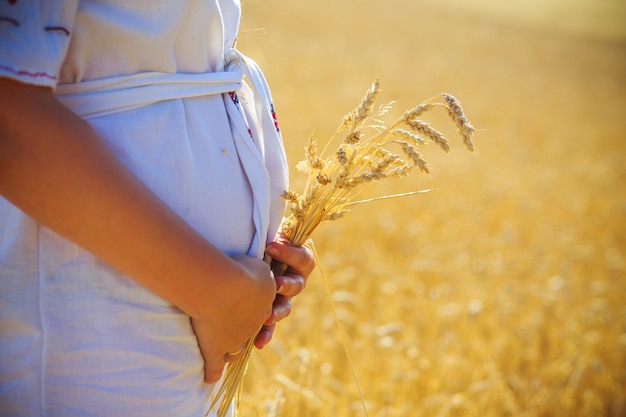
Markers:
{"x": 503, "y": 292}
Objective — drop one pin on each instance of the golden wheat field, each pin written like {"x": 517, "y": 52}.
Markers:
{"x": 503, "y": 292}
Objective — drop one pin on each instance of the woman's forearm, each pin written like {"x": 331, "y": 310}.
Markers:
{"x": 56, "y": 169}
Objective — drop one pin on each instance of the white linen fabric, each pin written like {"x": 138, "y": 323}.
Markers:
{"x": 160, "y": 83}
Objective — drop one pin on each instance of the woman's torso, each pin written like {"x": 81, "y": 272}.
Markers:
{"x": 78, "y": 337}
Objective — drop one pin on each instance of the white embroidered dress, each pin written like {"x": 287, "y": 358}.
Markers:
{"x": 155, "y": 79}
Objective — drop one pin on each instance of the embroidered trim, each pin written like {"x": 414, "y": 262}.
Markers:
{"x": 57, "y": 29}
{"x": 10, "y": 20}
{"x": 234, "y": 97}
{"x": 28, "y": 73}
{"x": 274, "y": 118}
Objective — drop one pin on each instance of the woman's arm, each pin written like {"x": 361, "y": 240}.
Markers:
{"x": 57, "y": 170}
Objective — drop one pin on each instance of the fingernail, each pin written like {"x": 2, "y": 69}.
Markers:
{"x": 280, "y": 289}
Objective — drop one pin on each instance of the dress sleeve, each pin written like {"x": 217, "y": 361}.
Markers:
{"x": 34, "y": 38}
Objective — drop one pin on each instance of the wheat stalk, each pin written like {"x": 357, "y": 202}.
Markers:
{"x": 369, "y": 152}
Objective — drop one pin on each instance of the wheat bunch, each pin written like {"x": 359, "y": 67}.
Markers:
{"x": 369, "y": 152}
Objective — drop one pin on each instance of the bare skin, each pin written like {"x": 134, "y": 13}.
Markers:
{"x": 301, "y": 263}
{"x": 59, "y": 172}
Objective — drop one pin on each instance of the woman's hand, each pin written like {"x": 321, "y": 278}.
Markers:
{"x": 221, "y": 337}
{"x": 301, "y": 263}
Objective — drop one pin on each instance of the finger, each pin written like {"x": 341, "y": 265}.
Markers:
{"x": 299, "y": 258}
{"x": 235, "y": 353}
{"x": 271, "y": 319}
{"x": 281, "y": 307}
{"x": 264, "y": 336}
{"x": 213, "y": 368}
{"x": 213, "y": 356}
{"x": 290, "y": 285}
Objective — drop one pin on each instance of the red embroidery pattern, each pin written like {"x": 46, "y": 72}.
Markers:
{"x": 274, "y": 118}
{"x": 28, "y": 73}
{"x": 235, "y": 99}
